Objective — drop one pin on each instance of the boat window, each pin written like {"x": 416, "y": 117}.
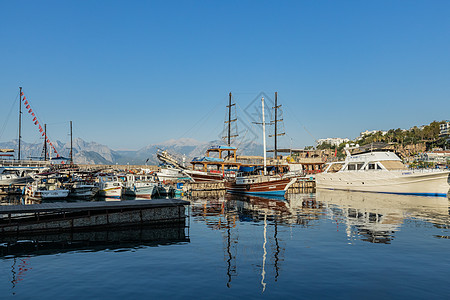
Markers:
{"x": 379, "y": 167}
{"x": 371, "y": 166}
{"x": 351, "y": 167}
{"x": 359, "y": 166}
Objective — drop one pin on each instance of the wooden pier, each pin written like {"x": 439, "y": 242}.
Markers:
{"x": 62, "y": 217}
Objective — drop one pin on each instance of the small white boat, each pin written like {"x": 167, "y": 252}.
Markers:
{"x": 110, "y": 186}
{"x": 382, "y": 172}
{"x": 169, "y": 172}
{"x": 83, "y": 190}
{"x": 14, "y": 176}
{"x": 141, "y": 186}
{"x": 46, "y": 189}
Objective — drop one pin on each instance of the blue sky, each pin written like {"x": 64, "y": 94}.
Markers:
{"x": 133, "y": 73}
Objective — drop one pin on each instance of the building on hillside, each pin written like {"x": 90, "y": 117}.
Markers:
{"x": 367, "y": 132}
{"x": 332, "y": 141}
{"x": 441, "y": 157}
{"x": 444, "y": 129}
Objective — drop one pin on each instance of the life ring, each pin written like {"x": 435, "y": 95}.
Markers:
{"x": 247, "y": 187}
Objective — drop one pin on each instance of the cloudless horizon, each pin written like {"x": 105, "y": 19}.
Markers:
{"x": 133, "y": 73}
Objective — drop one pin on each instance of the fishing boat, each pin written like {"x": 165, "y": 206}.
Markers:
{"x": 254, "y": 181}
{"x": 109, "y": 186}
{"x": 382, "y": 172}
{"x": 45, "y": 188}
{"x": 141, "y": 186}
{"x": 83, "y": 190}
{"x": 170, "y": 172}
{"x": 14, "y": 176}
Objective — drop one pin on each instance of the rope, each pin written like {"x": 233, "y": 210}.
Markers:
{"x": 203, "y": 119}
{"x": 301, "y": 124}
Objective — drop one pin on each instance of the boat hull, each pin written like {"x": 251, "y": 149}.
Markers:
{"x": 141, "y": 192}
{"x": 274, "y": 187}
{"x": 115, "y": 192}
{"x": 426, "y": 183}
{"x": 46, "y": 195}
{"x": 206, "y": 177}
{"x": 83, "y": 192}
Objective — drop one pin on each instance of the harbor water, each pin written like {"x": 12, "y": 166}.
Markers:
{"x": 326, "y": 244}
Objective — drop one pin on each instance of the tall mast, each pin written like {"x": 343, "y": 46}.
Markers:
{"x": 229, "y": 121}
{"x": 71, "y": 145}
{"x": 45, "y": 142}
{"x": 20, "y": 120}
{"x": 276, "y": 109}
{"x": 275, "y": 122}
{"x": 264, "y": 134}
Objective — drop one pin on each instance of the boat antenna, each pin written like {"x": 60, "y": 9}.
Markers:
{"x": 20, "y": 119}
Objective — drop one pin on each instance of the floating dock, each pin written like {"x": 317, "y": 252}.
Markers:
{"x": 63, "y": 216}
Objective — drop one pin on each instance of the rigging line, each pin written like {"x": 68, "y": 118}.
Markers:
{"x": 8, "y": 116}
{"x": 248, "y": 121}
{"x": 58, "y": 123}
{"x": 304, "y": 127}
{"x": 203, "y": 119}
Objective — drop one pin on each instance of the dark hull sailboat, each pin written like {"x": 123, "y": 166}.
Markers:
{"x": 261, "y": 185}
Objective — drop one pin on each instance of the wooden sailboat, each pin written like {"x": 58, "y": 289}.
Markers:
{"x": 259, "y": 184}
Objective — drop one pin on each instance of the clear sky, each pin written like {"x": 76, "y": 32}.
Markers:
{"x": 133, "y": 73}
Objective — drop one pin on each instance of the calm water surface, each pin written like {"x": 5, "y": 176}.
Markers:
{"x": 322, "y": 245}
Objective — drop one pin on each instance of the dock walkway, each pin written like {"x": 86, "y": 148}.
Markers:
{"x": 88, "y": 215}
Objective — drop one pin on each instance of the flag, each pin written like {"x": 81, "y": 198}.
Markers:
{"x": 43, "y": 133}
{"x": 34, "y": 119}
{"x": 35, "y": 123}
{"x": 40, "y": 130}
{"x": 30, "y": 110}
{"x": 26, "y": 102}
{"x": 21, "y": 93}
{"x": 24, "y": 98}
{"x": 32, "y": 114}
{"x": 28, "y": 106}
{"x": 335, "y": 152}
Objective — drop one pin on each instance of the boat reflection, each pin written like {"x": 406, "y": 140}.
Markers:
{"x": 375, "y": 217}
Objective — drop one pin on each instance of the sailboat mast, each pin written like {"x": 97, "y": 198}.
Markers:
{"x": 45, "y": 142}
{"x": 264, "y": 134}
{"x": 229, "y": 121}
{"x": 276, "y": 109}
{"x": 20, "y": 120}
{"x": 71, "y": 145}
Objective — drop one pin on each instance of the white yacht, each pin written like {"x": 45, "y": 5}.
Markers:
{"x": 382, "y": 172}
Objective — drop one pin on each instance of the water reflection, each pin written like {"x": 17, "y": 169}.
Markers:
{"x": 365, "y": 217}
{"x": 375, "y": 218}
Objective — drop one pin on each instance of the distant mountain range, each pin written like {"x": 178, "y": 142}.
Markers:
{"x": 94, "y": 153}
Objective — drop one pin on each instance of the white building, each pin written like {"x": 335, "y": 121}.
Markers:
{"x": 367, "y": 132}
{"x": 332, "y": 141}
{"x": 444, "y": 129}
